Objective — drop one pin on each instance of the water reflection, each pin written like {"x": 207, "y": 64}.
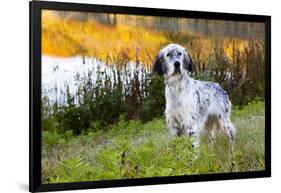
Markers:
{"x": 210, "y": 28}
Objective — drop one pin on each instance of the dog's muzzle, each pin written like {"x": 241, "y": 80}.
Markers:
{"x": 177, "y": 67}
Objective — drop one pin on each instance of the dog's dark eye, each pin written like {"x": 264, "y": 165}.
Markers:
{"x": 169, "y": 54}
{"x": 179, "y": 53}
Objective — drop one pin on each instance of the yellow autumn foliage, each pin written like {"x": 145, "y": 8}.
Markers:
{"x": 66, "y": 38}
{"x": 69, "y": 38}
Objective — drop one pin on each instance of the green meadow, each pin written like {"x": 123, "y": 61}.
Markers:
{"x": 136, "y": 150}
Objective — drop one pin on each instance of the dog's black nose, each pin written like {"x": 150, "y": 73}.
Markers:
{"x": 177, "y": 64}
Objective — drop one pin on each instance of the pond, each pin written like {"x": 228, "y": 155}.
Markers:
{"x": 58, "y": 73}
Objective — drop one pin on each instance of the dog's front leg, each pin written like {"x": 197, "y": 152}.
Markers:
{"x": 193, "y": 132}
{"x": 171, "y": 125}
{"x": 176, "y": 128}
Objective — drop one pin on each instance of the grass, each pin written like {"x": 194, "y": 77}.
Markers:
{"x": 135, "y": 150}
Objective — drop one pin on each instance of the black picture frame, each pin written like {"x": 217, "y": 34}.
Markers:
{"x": 35, "y": 8}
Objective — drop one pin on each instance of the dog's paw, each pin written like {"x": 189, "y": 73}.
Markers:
{"x": 195, "y": 144}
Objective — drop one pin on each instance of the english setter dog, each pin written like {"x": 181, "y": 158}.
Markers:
{"x": 192, "y": 106}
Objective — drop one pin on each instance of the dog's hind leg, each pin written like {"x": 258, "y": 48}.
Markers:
{"x": 227, "y": 127}
{"x": 210, "y": 135}
{"x": 230, "y": 131}
{"x": 210, "y": 126}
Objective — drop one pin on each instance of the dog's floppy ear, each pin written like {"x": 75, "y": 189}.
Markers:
{"x": 191, "y": 66}
{"x": 188, "y": 63}
{"x": 159, "y": 64}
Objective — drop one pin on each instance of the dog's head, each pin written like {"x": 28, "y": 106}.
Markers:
{"x": 173, "y": 60}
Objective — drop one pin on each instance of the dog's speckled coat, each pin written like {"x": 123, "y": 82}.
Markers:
{"x": 192, "y": 106}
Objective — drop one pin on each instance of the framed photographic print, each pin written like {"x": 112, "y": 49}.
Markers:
{"x": 125, "y": 96}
